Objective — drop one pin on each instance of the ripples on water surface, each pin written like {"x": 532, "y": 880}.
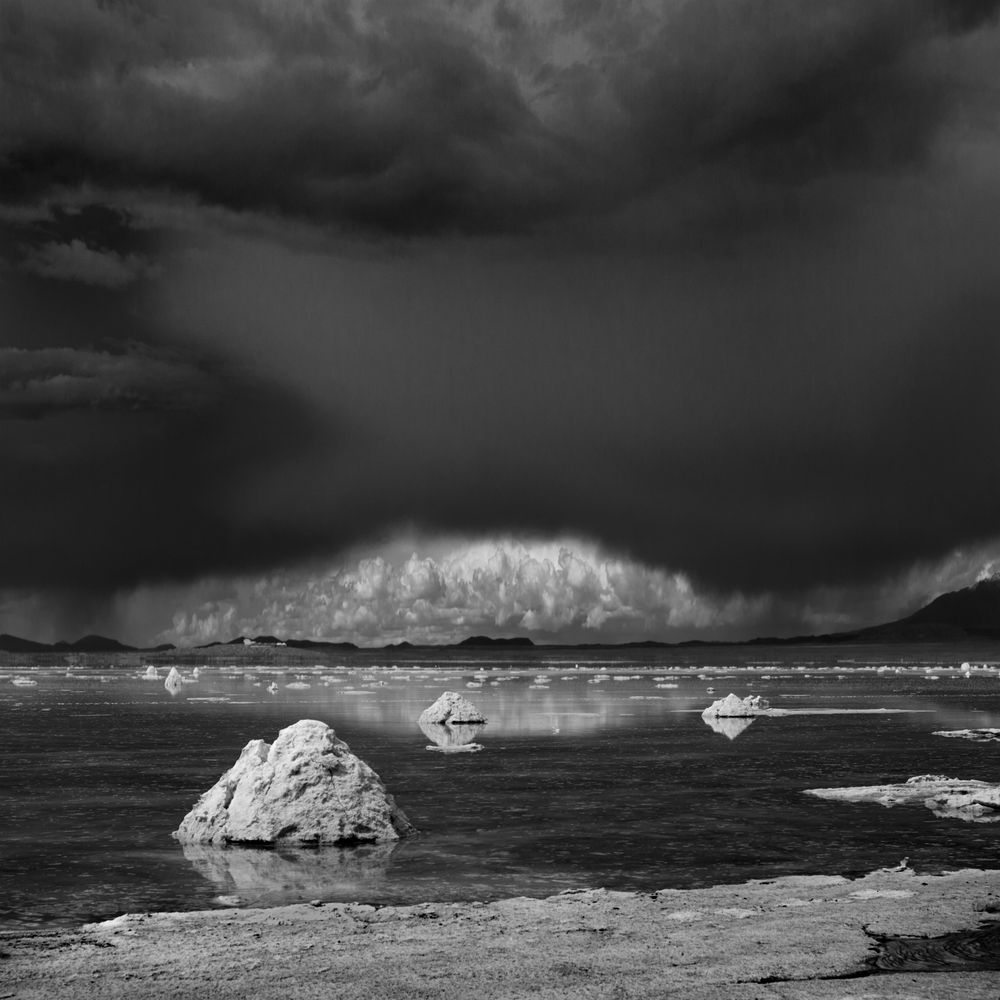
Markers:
{"x": 583, "y": 781}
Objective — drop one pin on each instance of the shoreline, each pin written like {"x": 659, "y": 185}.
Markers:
{"x": 794, "y": 936}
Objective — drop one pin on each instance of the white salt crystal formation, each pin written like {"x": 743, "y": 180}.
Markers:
{"x": 452, "y": 709}
{"x": 151, "y": 674}
{"x": 732, "y": 707}
{"x": 174, "y": 681}
{"x": 305, "y": 788}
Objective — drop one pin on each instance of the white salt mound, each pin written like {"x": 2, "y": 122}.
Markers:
{"x": 151, "y": 674}
{"x": 732, "y": 707}
{"x": 452, "y": 708}
{"x": 305, "y": 788}
{"x": 174, "y": 680}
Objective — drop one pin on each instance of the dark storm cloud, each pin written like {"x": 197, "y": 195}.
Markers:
{"x": 805, "y": 417}
{"x": 132, "y": 465}
{"x": 807, "y": 401}
{"x": 38, "y": 383}
{"x": 417, "y": 118}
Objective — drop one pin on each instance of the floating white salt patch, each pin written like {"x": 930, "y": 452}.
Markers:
{"x": 298, "y": 685}
{"x": 272, "y": 688}
{"x": 977, "y": 735}
{"x": 949, "y": 798}
{"x": 24, "y": 682}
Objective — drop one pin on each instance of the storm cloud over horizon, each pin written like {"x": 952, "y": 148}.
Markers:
{"x": 710, "y": 286}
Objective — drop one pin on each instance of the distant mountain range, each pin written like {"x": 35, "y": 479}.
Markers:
{"x": 88, "y": 644}
{"x": 970, "y": 613}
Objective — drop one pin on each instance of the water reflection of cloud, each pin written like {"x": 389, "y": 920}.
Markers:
{"x": 728, "y": 727}
{"x": 458, "y": 738}
{"x": 261, "y": 876}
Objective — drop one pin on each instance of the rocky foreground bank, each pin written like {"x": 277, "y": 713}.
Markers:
{"x": 815, "y": 936}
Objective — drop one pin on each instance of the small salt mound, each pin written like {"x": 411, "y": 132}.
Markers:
{"x": 452, "y": 708}
{"x": 732, "y": 707}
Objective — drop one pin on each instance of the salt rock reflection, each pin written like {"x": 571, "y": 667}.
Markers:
{"x": 457, "y": 738}
{"x": 513, "y": 709}
{"x": 729, "y": 727}
{"x": 263, "y": 876}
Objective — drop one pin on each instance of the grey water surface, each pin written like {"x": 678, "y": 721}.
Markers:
{"x": 597, "y": 769}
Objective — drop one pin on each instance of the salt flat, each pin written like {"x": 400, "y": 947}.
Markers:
{"x": 800, "y": 936}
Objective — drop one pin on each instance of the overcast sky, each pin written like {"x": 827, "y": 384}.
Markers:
{"x": 580, "y": 319}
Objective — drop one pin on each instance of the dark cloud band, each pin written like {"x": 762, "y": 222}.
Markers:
{"x": 423, "y": 118}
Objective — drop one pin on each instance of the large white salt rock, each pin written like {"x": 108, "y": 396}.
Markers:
{"x": 950, "y": 798}
{"x": 174, "y": 681}
{"x": 453, "y": 709}
{"x": 305, "y": 788}
{"x": 151, "y": 674}
{"x": 732, "y": 707}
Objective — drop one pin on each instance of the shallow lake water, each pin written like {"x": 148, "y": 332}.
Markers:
{"x": 597, "y": 770}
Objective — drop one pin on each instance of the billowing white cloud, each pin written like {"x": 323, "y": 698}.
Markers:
{"x": 434, "y": 590}
{"x": 562, "y": 589}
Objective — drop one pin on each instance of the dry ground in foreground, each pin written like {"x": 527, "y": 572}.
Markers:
{"x": 793, "y": 937}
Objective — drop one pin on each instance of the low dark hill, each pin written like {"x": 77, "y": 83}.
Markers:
{"x": 485, "y": 640}
{"x": 93, "y": 644}
{"x": 88, "y": 644}
{"x": 970, "y": 613}
{"x": 15, "y": 644}
{"x": 975, "y": 609}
